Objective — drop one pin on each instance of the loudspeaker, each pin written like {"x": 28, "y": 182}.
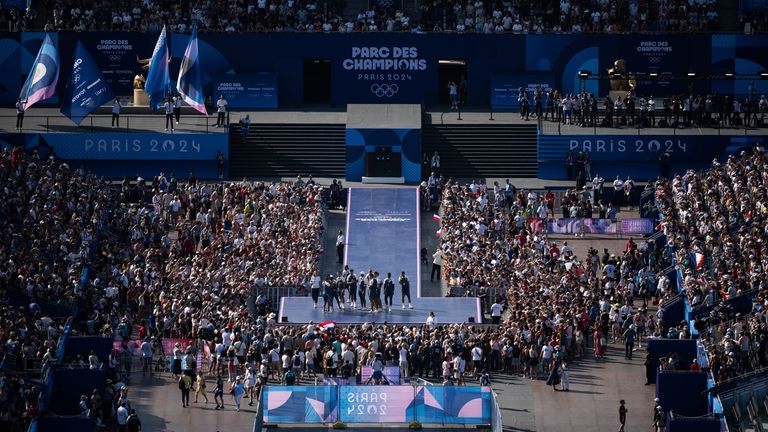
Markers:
{"x": 471, "y": 319}
{"x": 285, "y": 319}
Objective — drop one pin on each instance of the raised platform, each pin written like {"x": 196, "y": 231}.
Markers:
{"x": 382, "y": 233}
{"x": 383, "y": 180}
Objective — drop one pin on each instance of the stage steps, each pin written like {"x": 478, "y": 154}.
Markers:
{"x": 483, "y": 150}
{"x": 285, "y": 150}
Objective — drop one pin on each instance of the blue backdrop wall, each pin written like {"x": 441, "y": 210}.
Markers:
{"x": 407, "y": 142}
{"x": 129, "y": 154}
{"x": 358, "y": 61}
{"x": 637, "y": 155}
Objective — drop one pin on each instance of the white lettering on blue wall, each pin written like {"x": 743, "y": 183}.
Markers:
{"x": 647, "y": 145}
{"x": 113, "y": 146}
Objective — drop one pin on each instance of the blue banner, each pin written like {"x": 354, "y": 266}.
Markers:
{"x": 637, "y": 156}
{"x": 462, "y": 405}
{"x": 248, "y": 91}
{"x": 300, "y": 404}
{"x": 138, "y": 146}
{"x": 158, "y": 78}
{"x": 86, "y": 90}
{"x": 377, "y": 404}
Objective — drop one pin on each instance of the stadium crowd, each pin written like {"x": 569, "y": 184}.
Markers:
{"x": 537, "y": 16}
{"x": 186, "y": 258}
{"x": 718, "y": 217}
{"x": 48, "y": 223}
{"x": 182, "y": 257}
{"x": 159, "y": 258}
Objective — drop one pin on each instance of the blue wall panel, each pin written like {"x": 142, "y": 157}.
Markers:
{"x": 685, "y": 349}
{"x": 683, "y": 392}
{"x": 637, "y": 155}
{"x": 407, "y": 142}
{"x": 116, "y": 155}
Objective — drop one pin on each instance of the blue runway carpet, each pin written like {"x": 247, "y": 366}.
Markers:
{"x": 383, "y": 234}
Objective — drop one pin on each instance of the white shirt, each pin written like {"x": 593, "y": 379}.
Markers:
{"x": 477, "y": 352}
{"x": 348, "y": 357}
{"x": 122, "y": 416}
{"x": 546, "y": 352}
{"x": 495, "y": 310}
{"x": 437, "y": 258}
{"x": 221, "y": 104}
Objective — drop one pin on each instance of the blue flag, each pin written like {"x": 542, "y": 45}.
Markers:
{"x": 86, "y": 89}
{"x": 158, "y": 79}
{"x": 189, "y": 83}
{"x": 42, "y": 79}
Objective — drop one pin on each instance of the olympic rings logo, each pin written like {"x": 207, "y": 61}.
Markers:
{"x": 384, "y": 90}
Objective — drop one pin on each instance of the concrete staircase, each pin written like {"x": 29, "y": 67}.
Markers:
{"x": 483, "y": 150}
{"x": 286, "y": 150}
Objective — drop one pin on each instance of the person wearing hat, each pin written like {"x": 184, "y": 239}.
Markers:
{"x": 659, "y": 418}
{"x": 250, "y": 384}
{"x": 237, "y": 390}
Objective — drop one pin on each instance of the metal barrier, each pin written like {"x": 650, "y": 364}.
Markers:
{"x": 548, "y": 127}
{"x": 103, "y": 123}
{"x": 496, "y": 419}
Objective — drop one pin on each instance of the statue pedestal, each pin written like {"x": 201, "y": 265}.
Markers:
{"x": 140, "y": 97}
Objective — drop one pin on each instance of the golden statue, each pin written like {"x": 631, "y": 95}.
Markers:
{"x": 145, "y": 63}
{"x": 138, "y": 81}
{"x": 621, "y": 80}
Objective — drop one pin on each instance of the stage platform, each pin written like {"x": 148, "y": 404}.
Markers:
{"x": 43, "y": 119}
{"x": 382, "y": 233}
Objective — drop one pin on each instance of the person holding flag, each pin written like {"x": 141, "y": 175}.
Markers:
{"x": 20, "y": 108}
{"x": 158, "y": 79}
{"x": 169, "y": 113}
{"x": 41, "y": 81}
